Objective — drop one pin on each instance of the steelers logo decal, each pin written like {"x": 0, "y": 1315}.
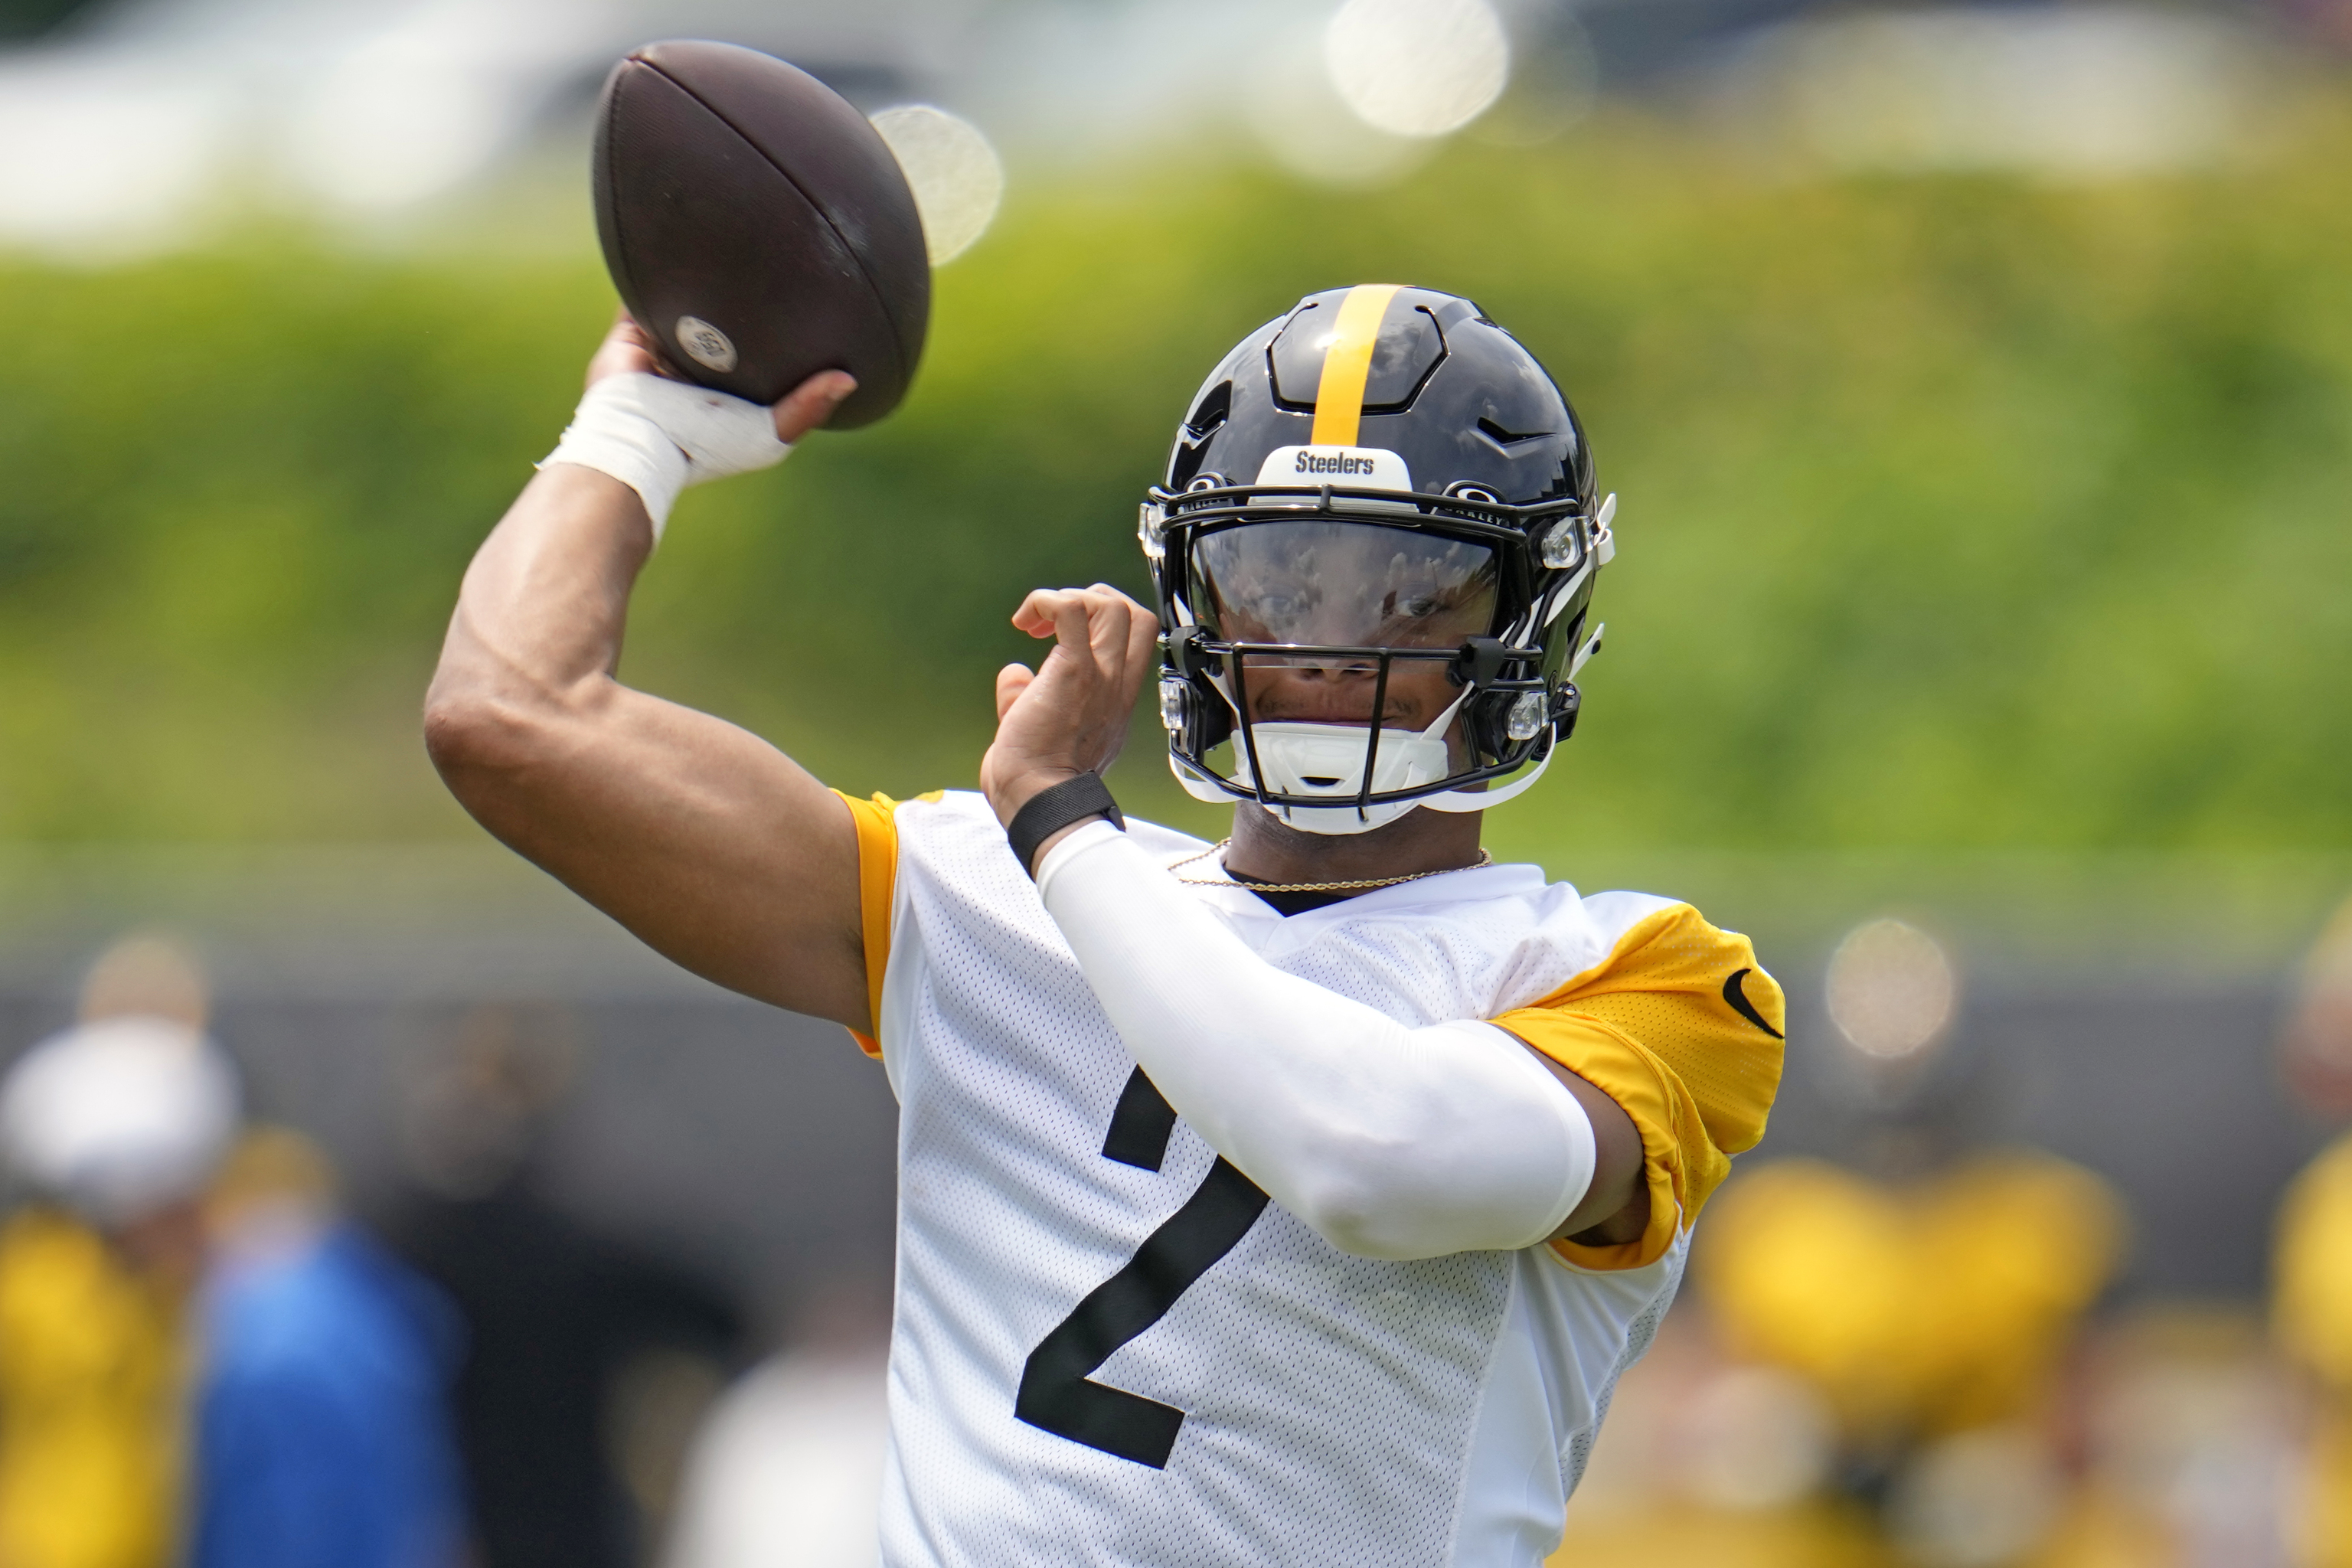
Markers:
{"x": 705, "y": 344}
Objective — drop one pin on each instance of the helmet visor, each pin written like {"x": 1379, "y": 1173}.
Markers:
{"x": 1330, "y": 584}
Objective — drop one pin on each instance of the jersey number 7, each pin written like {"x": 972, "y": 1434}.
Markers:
{"x": 1056, "y": 1394}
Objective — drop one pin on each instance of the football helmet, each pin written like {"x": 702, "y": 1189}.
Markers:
{"x": 1379, "y": 481}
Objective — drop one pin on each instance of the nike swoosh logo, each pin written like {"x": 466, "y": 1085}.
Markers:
{"x": 1737, "y": 1000}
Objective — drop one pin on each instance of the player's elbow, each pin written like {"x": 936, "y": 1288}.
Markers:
{"x": 488, "y": 716}
{"x": 460, "y": 725}
{"x": 475, "y": 737}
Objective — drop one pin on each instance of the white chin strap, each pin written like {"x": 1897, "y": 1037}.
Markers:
{"x": 1327, "y": 761}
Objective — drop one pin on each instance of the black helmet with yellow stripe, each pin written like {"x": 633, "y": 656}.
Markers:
{"x": 1378, "y": 483}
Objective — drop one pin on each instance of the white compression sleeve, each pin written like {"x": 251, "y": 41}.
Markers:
{"x": 657, "y": 435}
{"x": 1390, "y": 1141}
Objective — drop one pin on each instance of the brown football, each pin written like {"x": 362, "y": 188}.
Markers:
{"x": 758, "y": 226}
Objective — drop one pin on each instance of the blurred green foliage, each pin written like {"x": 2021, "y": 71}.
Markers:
{"x": 30, "y": 19}
{"x": 1956, "y": 512}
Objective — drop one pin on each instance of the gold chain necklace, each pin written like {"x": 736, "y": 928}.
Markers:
{"x": 1484, "y": 858}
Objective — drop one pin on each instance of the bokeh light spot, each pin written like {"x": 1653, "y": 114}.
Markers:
{"x": 1760, "y": 1437}
{"x": 378, "y": 132}
{"x": 1417, "y": 68}
{"x": 1299, "y": 116}
{"x": 955, "y": 174}
{"x": 1891, "y": 989}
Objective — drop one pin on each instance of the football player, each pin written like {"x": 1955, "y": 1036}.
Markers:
{"x": 1298, "y": 1198}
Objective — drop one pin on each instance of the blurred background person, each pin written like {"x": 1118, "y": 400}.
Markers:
{"x": 322, "y": 1431}
{"x": 589, "y": 1362}
{"x": 1933, "y": 1317}
{"x": 787, "y": 1472}
{"x": 91, "y": 1364}
{"x": 1931, "y": 1295}
{"x": 1869, "y": 1371}
{"x": 317, "y": 1436}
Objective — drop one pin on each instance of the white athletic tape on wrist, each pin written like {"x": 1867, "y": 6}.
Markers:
{"x": 1390, "y": 1141}
{"x": 657, "y": 436}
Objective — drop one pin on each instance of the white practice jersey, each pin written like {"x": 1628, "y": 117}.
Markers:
{"x": 1109, "y": 1348}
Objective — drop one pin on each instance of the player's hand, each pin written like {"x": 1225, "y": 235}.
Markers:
{"x": 1069, "y": 716}
{"x": 629, "y": 349}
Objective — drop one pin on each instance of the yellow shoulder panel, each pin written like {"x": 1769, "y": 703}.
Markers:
{"x": 1682, "y": 1028}
{"x": 878, "y": 876}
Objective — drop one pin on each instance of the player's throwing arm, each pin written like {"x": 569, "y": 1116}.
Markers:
{"x": 766, "y": 245}
{"x": 706, "y": 842}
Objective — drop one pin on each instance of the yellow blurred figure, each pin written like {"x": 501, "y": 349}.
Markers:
{"x": 1710, "y": 1464}
{"x": 1916, "y": 1311}
{"x": 2312, "y": 1312}
{"x": 89, "y": 1387}
{"x": 2312, "y": 1307}
{"x": 2312, "y": 1297}
{"x": 2099, "y": 1531}
{"x": 1811, "y": 1535}
{"x": 1924, "y": 1321}
{"x": 92, "y": 1375}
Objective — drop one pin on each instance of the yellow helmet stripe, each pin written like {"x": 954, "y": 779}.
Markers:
{"x": 1340, "y": 396}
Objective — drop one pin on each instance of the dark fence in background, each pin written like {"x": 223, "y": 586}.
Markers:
{"x": 755, "y": 1147}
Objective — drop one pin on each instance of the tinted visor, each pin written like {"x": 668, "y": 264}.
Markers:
{"x": 1330, "y": 584}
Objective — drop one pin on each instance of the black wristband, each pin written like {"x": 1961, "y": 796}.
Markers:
{"x": 1051, "y": 810}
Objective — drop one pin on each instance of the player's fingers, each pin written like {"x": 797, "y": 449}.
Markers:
{"x": 1120, "y": 633}
{"x": 625, "y": 349}
{"x": 1142, "y": 640}
{"x": 1011, "y": 683}
{"x": 811, "y": 403}
{"x": 1111, "y": 634}
{"x": 1106, "y": 610}
{"x": 1036, "y": 612}
{"x": 1074, "y": 626}
{"x": 1066, "y": 615}
{"x": 1090, "y": 627}
{"x": 1122, "y": 627}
